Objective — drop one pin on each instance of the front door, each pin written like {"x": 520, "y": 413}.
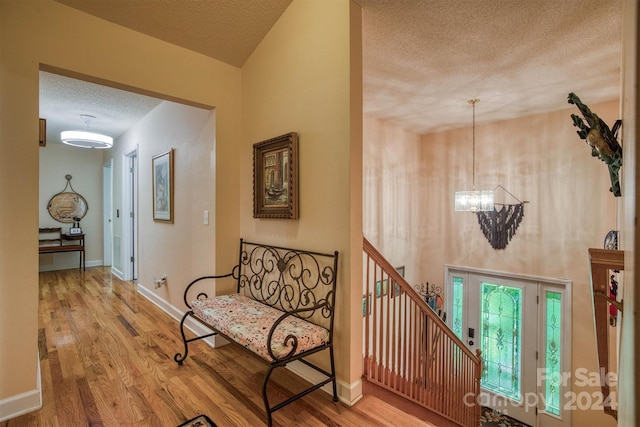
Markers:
{"x": 519, "y": 337}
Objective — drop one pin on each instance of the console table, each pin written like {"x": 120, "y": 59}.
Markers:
{"x": 52, "y": 240}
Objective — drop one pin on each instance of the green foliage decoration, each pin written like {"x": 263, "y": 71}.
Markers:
{"x": 602, "y": 140}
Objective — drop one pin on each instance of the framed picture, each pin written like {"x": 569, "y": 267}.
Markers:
{"x": 162, "y": 179}
{"x": 275, "y": 177}
{"x": 397, "y": 291}
{"x": 382, "y": 287}
{"x": 366, "y": 304}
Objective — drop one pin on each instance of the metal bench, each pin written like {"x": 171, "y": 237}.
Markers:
{"x": 282, "y": 310}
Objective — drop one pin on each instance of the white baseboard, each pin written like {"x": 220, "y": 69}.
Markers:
{"x": 22, "y": 403}
{"x": 349, "y": 394}
{"x": 116, "y": 272}
{"x": 68, "y": 265}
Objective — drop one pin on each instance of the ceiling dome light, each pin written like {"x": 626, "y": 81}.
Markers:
{"x": 79, "y": 138}
{"x": 84, "y": 138}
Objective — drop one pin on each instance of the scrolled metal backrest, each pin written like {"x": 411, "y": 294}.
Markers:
{"x": 290, "y": 280}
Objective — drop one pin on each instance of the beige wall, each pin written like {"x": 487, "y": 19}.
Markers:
{"x": 409, "y": 186}
{"x": 85, "y": 166}
{"x": 297, "y": 80}
{"x": 185, "y": 249}
{"x": 45, "y": 32}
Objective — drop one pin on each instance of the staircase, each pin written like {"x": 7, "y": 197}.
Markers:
{"x": 409, "y": 350}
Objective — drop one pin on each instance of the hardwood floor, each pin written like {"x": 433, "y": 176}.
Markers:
{"x": 106, "y": 358}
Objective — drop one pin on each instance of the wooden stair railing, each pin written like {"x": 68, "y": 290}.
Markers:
{"x": 602, "y": 262}
{"x": 409, "y": 350}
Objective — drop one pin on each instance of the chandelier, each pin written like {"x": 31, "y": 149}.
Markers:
{"x": 474, "y": 201}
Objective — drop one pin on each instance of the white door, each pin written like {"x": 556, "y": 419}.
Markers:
{"x": 130, "y": 213}
{"x": 518, "y": 325}
{"x": 107, "y": 196}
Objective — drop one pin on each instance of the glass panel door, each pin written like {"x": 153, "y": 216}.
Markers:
{"x": 501, "y": 339}
{"x": 457, "y": 312}
{"x": 504, "y": 314}
{"x": 553, "y": 352}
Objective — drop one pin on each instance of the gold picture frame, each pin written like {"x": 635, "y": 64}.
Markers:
{"x": 162, "y": 179}
{"x": 275, "y": 177}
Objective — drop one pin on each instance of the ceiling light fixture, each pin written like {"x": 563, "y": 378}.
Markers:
{"x": 474, "y": 201}
{"x": 84, "y": 138}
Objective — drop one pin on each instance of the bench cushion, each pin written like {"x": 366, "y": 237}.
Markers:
{"x": 248, "y": 322}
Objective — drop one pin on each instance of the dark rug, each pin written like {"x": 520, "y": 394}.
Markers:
{"x": 199, "y": 421}
{"x": 492, "y": 418}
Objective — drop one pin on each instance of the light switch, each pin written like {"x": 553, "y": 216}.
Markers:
{"x": 206, "y": 217}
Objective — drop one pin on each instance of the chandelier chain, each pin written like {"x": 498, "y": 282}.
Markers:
{"x": 473, "y": 103}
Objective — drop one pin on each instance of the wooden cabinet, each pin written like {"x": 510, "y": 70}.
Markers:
{"x": 603, "y": 262}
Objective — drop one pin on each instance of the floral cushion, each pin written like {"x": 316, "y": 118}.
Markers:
{"x": 248, "y": 322}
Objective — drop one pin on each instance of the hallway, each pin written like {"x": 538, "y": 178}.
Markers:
{"x": 106, "y": 358}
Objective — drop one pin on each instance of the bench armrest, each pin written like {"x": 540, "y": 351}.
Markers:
{"x": 292, "y": 339}
{"x": 201, "y": 295}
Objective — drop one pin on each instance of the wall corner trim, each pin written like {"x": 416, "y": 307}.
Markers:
{"x": 349, "y": 394}
{"x": 23, "y": 403}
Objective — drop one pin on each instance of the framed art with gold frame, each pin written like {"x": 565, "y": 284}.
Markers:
{"x": 275, "y": 177}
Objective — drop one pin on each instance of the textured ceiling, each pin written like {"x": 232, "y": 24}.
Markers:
{"x": 63, "y": 100}
{"x": 422, "y": 59}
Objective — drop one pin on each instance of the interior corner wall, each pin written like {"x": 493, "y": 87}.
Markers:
{"x": 409, "y": 189}
{"x": 356, "y": 188}
{"x": 38, "y": 33}
{"x": 85, "y": 167}
{"x": 298, "y": 80}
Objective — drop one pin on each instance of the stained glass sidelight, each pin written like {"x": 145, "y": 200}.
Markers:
{"x": 501, "y": 339}
{"x": 456, "y": 318}
{"x": 553, "y": 352}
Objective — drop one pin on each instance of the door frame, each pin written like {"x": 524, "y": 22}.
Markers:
{"x": 130, "y": 212}
{"x": 563, "y": 286}
{"x": 107, "y": 207}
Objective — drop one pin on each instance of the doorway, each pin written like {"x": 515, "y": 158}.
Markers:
{"x": 130, "y": 212}
{"x": 520, "y": 324}
{"x": 107, "y": 221}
